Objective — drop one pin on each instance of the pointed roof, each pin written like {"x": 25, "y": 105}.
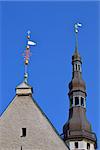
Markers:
{"x": 23, "y": 85}
{"x": 76, "y": 56}
{"x": 77, "y": 126}
{"x": 24, "y": 112}
{"x": 76, "y": 52}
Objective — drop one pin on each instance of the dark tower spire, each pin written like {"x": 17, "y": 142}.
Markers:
{"x": 77, "y": 128}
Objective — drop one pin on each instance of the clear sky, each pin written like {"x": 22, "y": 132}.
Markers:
{"x": 50, "y": 69}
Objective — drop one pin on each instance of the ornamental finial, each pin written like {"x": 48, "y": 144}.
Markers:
{"x": 27, "y": 55}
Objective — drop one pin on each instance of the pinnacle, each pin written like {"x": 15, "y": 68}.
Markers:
{"x": 23, "y": 85}
{"x": 76, "y": 52}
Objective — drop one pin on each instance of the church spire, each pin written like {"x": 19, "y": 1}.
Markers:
{"x": 77, "y": 130}
{"x": 27, "y": 55}
{"x": 77, "y": 84}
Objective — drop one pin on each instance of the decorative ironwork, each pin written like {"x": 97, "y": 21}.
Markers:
{"x": 27, "y": 54}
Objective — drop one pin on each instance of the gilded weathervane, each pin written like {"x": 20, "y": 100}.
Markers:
{"x": 27, "y": 55}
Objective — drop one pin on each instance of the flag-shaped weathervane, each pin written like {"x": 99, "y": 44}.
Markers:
{"x": 27, "y": 55}
{"x": 76, "y": 30}
{"x": 76, "y": 26}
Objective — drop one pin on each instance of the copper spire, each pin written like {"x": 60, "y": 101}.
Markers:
{"x": 77, "y": 128}
{"x": 76, "y": 55}
{"x": 76, "y": 30}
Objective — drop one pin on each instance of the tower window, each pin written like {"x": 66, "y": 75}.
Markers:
{"x": 78, "y": 67}
{"x": 76, "y": 101}
{"x": 82, "y": 101}
{"x": 88, "y": 146}
{"x": 23, "y": 134}
{"x": 76, "y": 144}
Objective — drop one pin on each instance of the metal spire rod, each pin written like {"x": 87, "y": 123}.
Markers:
{"x": 76, "y": 26}
{"x": 27, "y": 55}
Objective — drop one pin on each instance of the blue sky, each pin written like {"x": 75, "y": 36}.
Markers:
{"x": 50, "y": 69}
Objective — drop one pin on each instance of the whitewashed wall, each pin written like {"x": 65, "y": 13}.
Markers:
{"x": 82, "y": 145}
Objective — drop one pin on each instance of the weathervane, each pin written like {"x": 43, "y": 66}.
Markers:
{"x": 76, "y": 30}
{"x": 27, "y": 55}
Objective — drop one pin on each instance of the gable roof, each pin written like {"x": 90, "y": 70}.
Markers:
{"x": 24, "y": 112}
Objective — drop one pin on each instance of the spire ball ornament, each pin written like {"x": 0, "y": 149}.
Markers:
{"x": 27, "y": 55}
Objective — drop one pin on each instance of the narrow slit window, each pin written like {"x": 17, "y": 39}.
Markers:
{"x": 82, "y": 101}
{"x": 23, "y": 134}
{"x": 79, "y": 67}
{"x": 76, "y": 67}
{"x": 76, "y": 144}
{"x": 76, "y": 101}
{"x": 88, "y": 146}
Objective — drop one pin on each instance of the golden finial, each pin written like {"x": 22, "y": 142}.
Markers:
{"x": 27, "y": 55}
{"x": 28, "y": 34}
